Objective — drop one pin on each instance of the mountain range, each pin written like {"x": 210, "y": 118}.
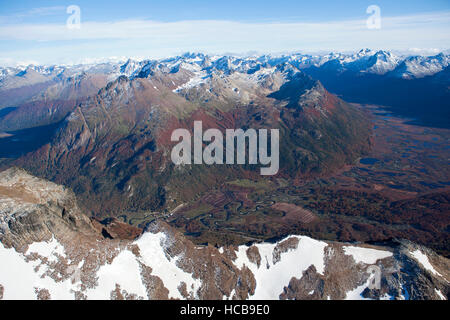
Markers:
{"x": 115, "y": 145}
{"x": 51, "y": 92}
{"x": 88, "y": 188}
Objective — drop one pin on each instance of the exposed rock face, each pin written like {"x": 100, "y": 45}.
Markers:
{"x": 253, "y": 255}
{"x": 33, "y": 210}
{"x": 59, "y": 253}
{"x": 114, "y": 229}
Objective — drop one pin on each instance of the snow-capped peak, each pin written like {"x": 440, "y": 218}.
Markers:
{"x": 419, "y": 66}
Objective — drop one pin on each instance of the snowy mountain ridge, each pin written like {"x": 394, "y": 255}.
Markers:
{"x": 377, "y": 62}
{"x": 50, "y": 250}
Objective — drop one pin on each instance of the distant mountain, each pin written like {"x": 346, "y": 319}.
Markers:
{"x": 37, "y": 96}
{"x": 367, "y": 61}
{"x": 414, "y": 87}
{"x": 419, "y": 67}
{"x": 51, "y": 92}
{"x": 51, "y": 250}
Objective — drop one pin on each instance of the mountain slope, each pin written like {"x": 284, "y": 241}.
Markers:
{"x": 116, "y": 145}
{"x": 51, "y": 92}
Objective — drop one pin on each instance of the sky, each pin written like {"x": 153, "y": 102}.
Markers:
{"x": 46, "y": 32}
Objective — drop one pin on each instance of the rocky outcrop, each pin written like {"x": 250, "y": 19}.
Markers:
{"x": 33, "y": 210}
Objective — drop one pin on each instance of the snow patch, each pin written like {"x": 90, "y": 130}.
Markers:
{"x": 439, "y": 293}
{"x": 152, "y": 253}
{"x": 19, "y": 278}
{"x": 272, "y": 278}
{"x": 49, "y": 249}
{"x": 423, "y": 260}
{"x": 356, "y": 294}
{"x": 124, "y": 271}
{"x": 366, "y": 255}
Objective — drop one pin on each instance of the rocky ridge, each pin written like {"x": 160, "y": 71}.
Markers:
{"x": 50, "y": 250}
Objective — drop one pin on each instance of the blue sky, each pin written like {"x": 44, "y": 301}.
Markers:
{"x": 35, "y": 31}
{"x": 250, "y": 10}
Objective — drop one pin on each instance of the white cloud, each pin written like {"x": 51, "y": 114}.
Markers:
{"x": 144, "y": 37}
{"x": 9, "y": 62}
{"x": 231, "y": 30}
{"x": 44, "y": 11}
{"x": 424, "y": 51}
{"x": 35, "y": 12}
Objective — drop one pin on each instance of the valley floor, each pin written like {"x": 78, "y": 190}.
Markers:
{"x": 384, "y": 195}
